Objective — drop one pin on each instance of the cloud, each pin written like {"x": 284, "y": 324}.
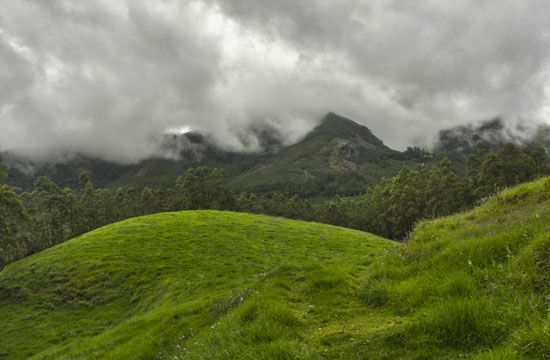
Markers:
{"x": 106, "y": 78}
{"x": 440, "y": 63}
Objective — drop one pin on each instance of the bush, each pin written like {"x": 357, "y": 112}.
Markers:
{"x": 458, "y": 284}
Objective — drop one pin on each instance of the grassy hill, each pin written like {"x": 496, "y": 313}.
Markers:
{"x": 211, "y": 285}
{"x": 168, "y": 284}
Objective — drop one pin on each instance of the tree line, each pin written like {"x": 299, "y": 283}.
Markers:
{"x": 396, "y": 204}
{"x": 48, "y": 215}
{"x": 35, "y": 220}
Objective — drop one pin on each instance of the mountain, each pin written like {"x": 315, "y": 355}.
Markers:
{"x": 459, "y": 142}
{"x": 23, "y": 171}
{"x": 177, "y": 154}
{"x": 542, "y": 137}
{"x": 339, "y": 156}
{"x": 157, "y": 286}
{"x": 188, "y": 150}
{"x": 218, "y": 285}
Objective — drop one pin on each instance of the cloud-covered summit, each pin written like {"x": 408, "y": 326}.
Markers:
{"x": 106, "y": 78}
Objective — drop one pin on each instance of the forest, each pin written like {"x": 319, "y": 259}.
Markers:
{"x": 31, "y": 221}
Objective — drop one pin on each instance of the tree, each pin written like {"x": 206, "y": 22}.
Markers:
{"x": 89, "y": 218}
{"x": 541, "y": 160}
{"x": 395, "y": 205}
{"x": 50, "y": 210}
{"x": 13, "y": 221}
{"x": 203, "y": 188}
{"x": 443, "y": 190}
{"x": 505, "y": 167}
{"x": 335, "y": 212}
{"x": 151, "y": 201}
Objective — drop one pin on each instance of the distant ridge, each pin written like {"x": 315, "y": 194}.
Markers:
{"x": 337, "y": 157}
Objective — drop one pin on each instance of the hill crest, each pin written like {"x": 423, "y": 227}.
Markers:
{"x": 148, "y": 287}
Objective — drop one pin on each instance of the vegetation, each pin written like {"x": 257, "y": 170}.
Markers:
{"x": 475, "y": 285}
{"x": 170, "y": 285}
{"x": 393, "y": 207}
{"x": 206, "y": 284}
{"x": 224, "y": 285}
{"x": 49, "y": 215}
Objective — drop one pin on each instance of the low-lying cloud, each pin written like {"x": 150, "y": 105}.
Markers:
{"x": 106, "y": 78}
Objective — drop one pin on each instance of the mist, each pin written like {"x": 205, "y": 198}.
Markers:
{"x": 109, "y": 79}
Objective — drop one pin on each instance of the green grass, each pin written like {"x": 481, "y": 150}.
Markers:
{"x": 200, "y": 284}
{"x": 474, "y": 285}
{"x": 215, "y": 285}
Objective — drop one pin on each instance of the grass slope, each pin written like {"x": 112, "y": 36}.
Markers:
{"x": 201, "y": 284}
{"x": 475, "y": 285}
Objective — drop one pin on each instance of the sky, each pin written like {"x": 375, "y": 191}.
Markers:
{"x": 107, "y": 78}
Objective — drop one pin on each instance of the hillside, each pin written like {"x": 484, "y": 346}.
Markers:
{"x": 474, "y": 285}
{"x": 167, "y": 284}
{"x": 23, "y": 172}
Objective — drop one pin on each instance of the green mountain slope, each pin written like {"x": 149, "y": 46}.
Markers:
{"x": 190, "y": 150}
{"x": 159, "y": 173}
{"x": 339, "y": 156}
{"x": 165, "y": 285}
{"x": 23, "y": 172}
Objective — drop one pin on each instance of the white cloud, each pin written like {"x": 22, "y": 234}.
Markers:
{"x": 106, "y": 77}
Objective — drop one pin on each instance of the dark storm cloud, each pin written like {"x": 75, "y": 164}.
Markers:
{"x": 106, "y": 77}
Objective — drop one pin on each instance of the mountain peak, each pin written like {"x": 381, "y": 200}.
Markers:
{"x": 335, "y": 119}
{"x": 337, "y": 126}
